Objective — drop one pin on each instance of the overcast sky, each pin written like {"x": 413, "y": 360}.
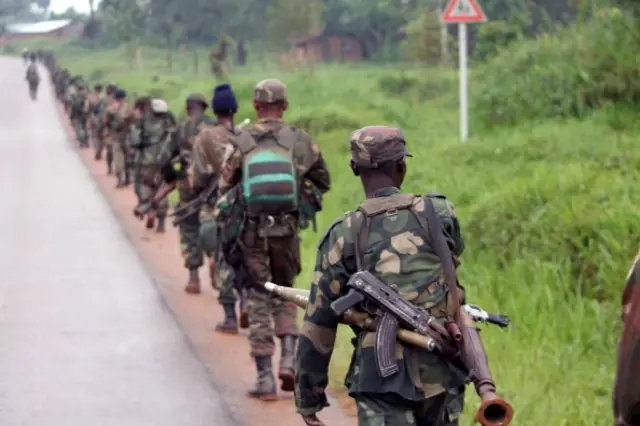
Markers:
{"x": 81, "y": 6}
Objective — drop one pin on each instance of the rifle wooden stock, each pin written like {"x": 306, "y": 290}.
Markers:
{"x": 493, "y": 411}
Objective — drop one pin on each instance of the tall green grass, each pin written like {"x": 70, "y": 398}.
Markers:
{"x": 548, "y": 205}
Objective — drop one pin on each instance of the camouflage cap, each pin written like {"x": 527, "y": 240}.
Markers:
{"x": 198, "y": 97}
{"x": 270, "y": 91}
{"x": 142, "y": 100}
{"x": 374, "y": 145}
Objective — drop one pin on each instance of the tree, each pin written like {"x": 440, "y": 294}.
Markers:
{"x": 288, "y": 19}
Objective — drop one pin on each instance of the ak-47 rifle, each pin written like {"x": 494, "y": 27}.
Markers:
{"x": 148, "y": 207}
{"x": 496, "y": 413}
{"x": 187, "y": 210}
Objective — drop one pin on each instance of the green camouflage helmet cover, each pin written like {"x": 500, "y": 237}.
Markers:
{"x": 270, "y": 91}
{"x": 374, "y": 145}
{"x": 199, "y": 98}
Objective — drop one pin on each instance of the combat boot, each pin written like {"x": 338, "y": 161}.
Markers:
{"x": 286, "y": 373}
{"x": 120, "y": 183}
{"x": 109, "y": 163}
{"x": 265, "y": 387}
{"x": 193, "y": 286}
{"x": 160, "y": 228}
{"x": 244, "y": 309}
{"x": 151, "y": 220}
{"x": 230, "y": 323}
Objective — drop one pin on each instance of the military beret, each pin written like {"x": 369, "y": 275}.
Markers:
{"x": 120, "y": 94}
{"x": 374, "y": 145}
{"x": 270, "y": 91}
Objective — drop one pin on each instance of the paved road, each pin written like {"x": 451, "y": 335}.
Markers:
{"x": 85, "y": 338}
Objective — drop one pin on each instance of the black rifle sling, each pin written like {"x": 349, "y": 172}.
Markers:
{"x": 433, "y": 226}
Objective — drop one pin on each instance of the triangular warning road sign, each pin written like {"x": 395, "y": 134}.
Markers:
{"x": 463, "y": 11}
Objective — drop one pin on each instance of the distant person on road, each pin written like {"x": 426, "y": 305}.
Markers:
{"x": 91, "y": 110}
{"x": 626, "y": 397}
{"x": 78, "y": 113}
{"x": 264, "y": 167}
{"x": 159, "y": 126}
{"x": 118, "y": 121}
{"x": 175, "y": 159}
{"x": 101, "y": 145}
{"x": 206, "y": 169}
{"x": 140, "y": 112}
{"x": 33, "y": 77}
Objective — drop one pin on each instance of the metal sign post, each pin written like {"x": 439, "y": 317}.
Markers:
{"x": 463, "y": 12}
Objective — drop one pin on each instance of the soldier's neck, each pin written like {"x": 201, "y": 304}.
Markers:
{"x": 225, "y": 121}
{"x": 375, "y": 184}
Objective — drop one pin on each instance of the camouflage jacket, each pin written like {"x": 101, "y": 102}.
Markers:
{"x": 91, "y": 103}
{"x": 626, "y": 396}
{"x": 119, "y": 117}
{"x": 399, "y": 251}
{"x": 182, "y": 145}
{"x": 306, "y": 155}
{"x": 206, "y": 164}
{"x": 149, "y": 135}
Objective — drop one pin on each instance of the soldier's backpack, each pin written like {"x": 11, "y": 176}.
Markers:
{"x": 269, "y": 178}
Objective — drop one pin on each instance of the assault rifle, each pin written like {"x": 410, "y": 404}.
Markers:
{"x": 385, "y": 303}
{"x": 493, "y": 411}
{"x": 187, "y": 210}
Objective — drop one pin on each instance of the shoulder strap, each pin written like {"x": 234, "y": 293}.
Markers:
{"x": 245, "y": 142}
{"x": 370, "y": 208}
{"x": 434, "y": 228}
{"x": 287, "y": 137}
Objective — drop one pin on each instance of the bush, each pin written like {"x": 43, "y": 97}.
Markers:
{"x": 569, "y": 74}
{"x": 494, "y": 37}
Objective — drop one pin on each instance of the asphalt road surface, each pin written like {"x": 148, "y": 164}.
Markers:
{"x": 85, "y": 338}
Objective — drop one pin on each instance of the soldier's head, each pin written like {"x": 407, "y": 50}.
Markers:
{"x": 224, "y": 102}
{"x": 97, "y": 88}
{"x": 270, "y": 98}
{"x": 111, "y": 88}
{"x": 196, "y": 105}
{"x": 143, "y": 103}
{"x": 378, "y": 156}
{"x": 119, "y": 95}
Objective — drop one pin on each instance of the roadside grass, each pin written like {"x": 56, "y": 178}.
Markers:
{"x": 548, "y": 210}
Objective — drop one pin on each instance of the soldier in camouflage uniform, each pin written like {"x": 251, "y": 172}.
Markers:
{"x": 107, "y": 100}
{"x": 91, "y": 110}
{"x": 394, "y": 245}
{"x": 78, "y": 112}
{"x": 139, "y": 116}
{"x": 208, "y": 151}
{"x": 156, "y": 129}
{"x": 181, "y": 148}
{"x": 119, "y": 118}
{"x": 33, "y": 78}
{"x": 270, "y": 244}
{"x": 71, "y": 91}
{"x": 626, "y": 397}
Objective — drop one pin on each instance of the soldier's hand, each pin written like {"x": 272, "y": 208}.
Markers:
{"x": 312, "y": 420}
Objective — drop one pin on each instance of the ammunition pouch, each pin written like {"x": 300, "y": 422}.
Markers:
{"x": 272, "y": 226}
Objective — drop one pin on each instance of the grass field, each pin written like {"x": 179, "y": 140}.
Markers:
{"x": 547, "y": 206}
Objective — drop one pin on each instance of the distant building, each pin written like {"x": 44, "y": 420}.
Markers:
{"x": 327, "y": 47}
{"x": 63, "y": 29}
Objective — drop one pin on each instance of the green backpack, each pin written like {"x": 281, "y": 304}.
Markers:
{"x": 269, "y": 177}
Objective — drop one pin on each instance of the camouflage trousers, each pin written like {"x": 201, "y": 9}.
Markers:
{"x": 79, "y": 124}
{"x": 120, "y": 158}
{"x": 444, "y": 409}
{"x": 226, "y": 279}
{"x": 276, "y": 260}
{"x": 150, "y": 181}
{"x": 190, "y": 242}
